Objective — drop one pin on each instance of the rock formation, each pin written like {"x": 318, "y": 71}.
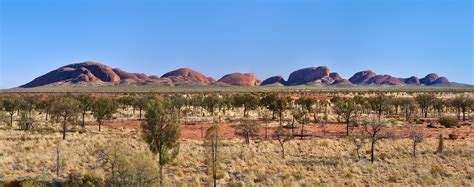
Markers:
{"x": 238, "y": 79}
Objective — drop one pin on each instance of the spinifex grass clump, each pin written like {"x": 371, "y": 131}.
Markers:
{"x": 448, "y": 121}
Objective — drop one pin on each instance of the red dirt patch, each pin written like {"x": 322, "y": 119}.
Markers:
{"x": 193, "y": 132}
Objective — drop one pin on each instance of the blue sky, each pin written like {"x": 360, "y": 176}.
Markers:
{"x": 396, "y": 37}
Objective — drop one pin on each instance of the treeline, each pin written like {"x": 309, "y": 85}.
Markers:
{"x": 68, "y": 108}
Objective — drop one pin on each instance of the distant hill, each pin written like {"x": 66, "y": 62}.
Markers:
{"x": 96, "y": 74}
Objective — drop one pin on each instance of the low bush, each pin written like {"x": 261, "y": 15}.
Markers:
{"x": 453, "y": 136}
{"x": 431, "y": 126}
{"x": 27, "y": 182}
{"x": 448, "y": 121}
{"x": 92, "y": 179}
{"x": 419, "y": 121}
{"x": 466, "y": 124}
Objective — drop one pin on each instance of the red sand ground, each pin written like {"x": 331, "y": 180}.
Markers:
{"x": 315, "y": 130}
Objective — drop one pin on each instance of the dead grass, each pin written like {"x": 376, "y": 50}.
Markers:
{"x": 311, "y": 162}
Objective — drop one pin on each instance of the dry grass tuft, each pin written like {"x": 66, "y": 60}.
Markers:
{"x": 329, "y": 161}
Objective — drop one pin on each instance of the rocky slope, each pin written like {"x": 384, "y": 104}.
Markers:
{"x": 96, "y": 74}
{"x": 86, "y": 72}
{"x": 238, "y": 79}
{"x": 362, "y": 77}
{"x": 274, "y": 80}
{"x": 312, "y": 76}
{"x": 186, "y": 76}
{"x": 370, "y": 78}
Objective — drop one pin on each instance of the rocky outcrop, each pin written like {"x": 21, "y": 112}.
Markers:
{"x": 274, "y": 80}
{"x": 335, "y": 76}
{"x": 238, "y": 79}
{"x": 96, "y": 74}
{"x": 384, "y": 80}
{"x": 412, "y": 80}
{"x": 441, "y": 81}
{"x": 187, "y": 76}
{"x": 428, "y": 79}
{"x": 434, "y": 79}
{"x": 370, "y": 78}
{"x": 74, "y": 73}
{"x": 362, "y": 77}
{"x": 307, "y": 75}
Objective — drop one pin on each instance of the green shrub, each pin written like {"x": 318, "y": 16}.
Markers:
{"x": 28, "y": 182}
{"x": 418, "y": 121}
{"x": 74, "y": 180}
{"x": 448, "y": 121}
{"x": 92, "y": 179}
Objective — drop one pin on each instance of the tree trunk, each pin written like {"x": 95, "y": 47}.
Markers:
{"x": 140, "y": 113}
{"x": 247, "y": 138}
{"x": 347, "y": 127}
{"x": 64, "y": 127}
{"x": 315, "y": 117}
{"x": 281, "y": 119}
{"x": 379, "y": 114}
{"x": 463, "y": 114}
{"x": 83, "y": 121}
{"x": 372, "y": 152}
{"x": 214, "y": 161}
{"x": 161, "y": 175}
{"x": 11, "y": 119}
{"x": 282, "y": 150}
{"x": 100, "y": 125}
{"x": 406, "y": 113}
{"x": 458, "y": 111}
{"x": 414, "y": 149}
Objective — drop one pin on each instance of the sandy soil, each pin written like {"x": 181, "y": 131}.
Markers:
{"x": 315, "y": 131}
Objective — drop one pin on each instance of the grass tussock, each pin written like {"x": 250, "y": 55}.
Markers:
{"x": 33, "y": 158}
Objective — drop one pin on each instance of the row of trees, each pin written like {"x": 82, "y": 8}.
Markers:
{"x": 65, "y": 109}
{"x": 348, "y": 109}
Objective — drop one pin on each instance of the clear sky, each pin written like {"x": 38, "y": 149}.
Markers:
{"x": 266, "y": 37}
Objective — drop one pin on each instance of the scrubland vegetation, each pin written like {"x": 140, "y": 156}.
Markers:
{"x": 252, "y": 138}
